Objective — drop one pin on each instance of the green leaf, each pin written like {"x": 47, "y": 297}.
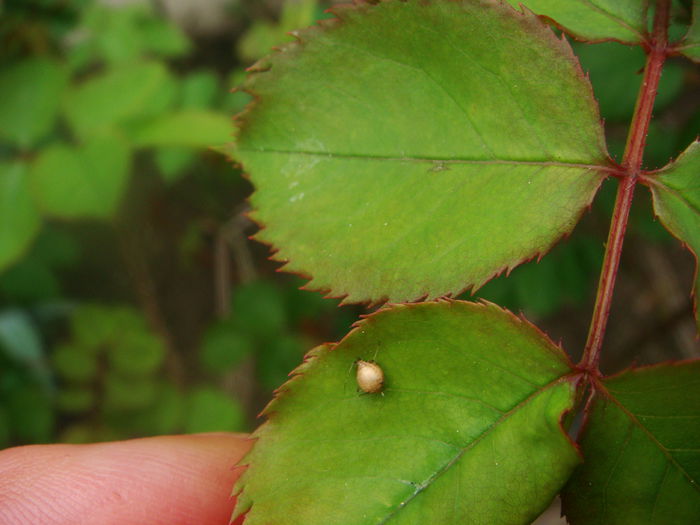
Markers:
{"x": 641, "y": 446}
{"x": 614, "y": 73}
{"x": 224, "y": 347}
{"x": 82, "y": 182}
{"x": 690, "y": 46}
{"x": 676, "y": 195}
{"x": 193, "y": 128}
{"x": 174, "y": 161}
{"x": 76, "y": 399}
{"x": 467, "y": 429}
{"x": 623, "y": 20}
{"x": 379, "y": 150}
{"x": 75, "y": 363}
{"x": 258, "y": 309}
{"x": 19, "y": 219}
{"x": 199, "y": 89}
{"x": 31, "y": 90}
{"x": 122, "y": 93}
{"x": 137, "y": 353}
{"x": 211, "y": 410}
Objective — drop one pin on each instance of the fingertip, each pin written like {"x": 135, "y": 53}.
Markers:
{"x": 168, "y": 479}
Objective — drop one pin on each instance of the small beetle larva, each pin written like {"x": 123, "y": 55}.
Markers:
{"x": 370, "y": 376}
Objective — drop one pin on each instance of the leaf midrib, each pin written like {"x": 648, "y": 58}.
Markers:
{"x": 427, "y": 483}
{"x": 437, "y": 161}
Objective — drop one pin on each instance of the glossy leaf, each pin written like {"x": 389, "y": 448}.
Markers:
{"x": 380, "y": 155}
{"x": 467, "y": 428}
{"x": 31, "y": 92}
{"x": 623, "y": 20}
{"x": 82, "y": 182}
{"x": 641, "y": 448}
{"x": 676, "y": 194}
{"x": 19, "y": 218}
{"x": 193, "y": 128}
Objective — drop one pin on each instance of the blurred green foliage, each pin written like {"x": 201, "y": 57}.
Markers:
{"x": 108, "y": 118}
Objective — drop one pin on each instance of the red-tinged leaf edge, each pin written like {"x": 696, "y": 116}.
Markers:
{"x": 301, "y": 36}
{"x": 576, "y": 377}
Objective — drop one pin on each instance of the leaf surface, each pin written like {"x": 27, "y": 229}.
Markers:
{"x": 467, "y": 428}
{"x": 82, "y": 182}
{"x": 192, "y": 128}
{"x": 135, "y": 90}
{"x": 31, "y": 91}
{"x": 641, "y": 448}
{"x": 409, "y": 150}
{"x": 622, "y": 20}
{"x": 19, "y": 218}
{"x": 676, "y": 196}
{"x": 690, "y": 46}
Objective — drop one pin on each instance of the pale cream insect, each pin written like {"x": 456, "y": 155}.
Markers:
{"x": 370, "y": 376}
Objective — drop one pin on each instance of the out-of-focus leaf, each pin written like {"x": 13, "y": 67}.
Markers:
{"x": 82, "y": 182}
{"x": 136, "y": 353}
{"x": 210, "y": 410}
{"x": 193, "y": 128}
{"x": 173, "y": 161}
{"x": 641, "y": 448}
{"x": 20, "y": 340}
{"x": 623, "y": 20}
{"x": 122, "y": 394}
{"x": 676, "y": 194}
{"x": 74, "y": 363}
{"x": 198, "y": 90}
{"x": 31, "y": 92}
{"x": 224, "y": 347}
{"x": 30, "y": 414}
{"x": 277, "y": 357}
{"x": 19, "y": 219}
{"x": 258, "y": 309}
{"x": 690, "y": 46}
{"x": 378, "y": 208}
{"x": 141, "y": 89}
{"x": 467, "y": 428}
{"x": 75, "y": 399}
{"x": 614, "y": 71}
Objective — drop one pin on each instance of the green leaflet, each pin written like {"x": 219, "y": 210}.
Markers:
{"x": 82, "y": 182}
{"x": 641, "y": 448}
{"x": 690, "y": 46}
{"x": 409, "y": 150}
{"x": 31, "y": 91}
{"x": 467, "y": 429}
{"x": 676, "y": 194}
{"x": 623, "y": 20}
{"x": 19, "y": 218}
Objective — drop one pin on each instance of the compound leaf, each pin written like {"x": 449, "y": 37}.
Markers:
{"x": 676, "y": 194}
{"x": 641, "y": 448}
{"x": 466, "y": 430}
{"x": 409, "y": 150}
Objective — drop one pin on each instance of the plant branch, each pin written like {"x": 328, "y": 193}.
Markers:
{"x": 657, "y": 50}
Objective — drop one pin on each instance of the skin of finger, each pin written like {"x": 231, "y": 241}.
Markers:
{"x": 173, "y": 480}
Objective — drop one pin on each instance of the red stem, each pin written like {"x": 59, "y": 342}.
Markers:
{"x": 657, "y": 51}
